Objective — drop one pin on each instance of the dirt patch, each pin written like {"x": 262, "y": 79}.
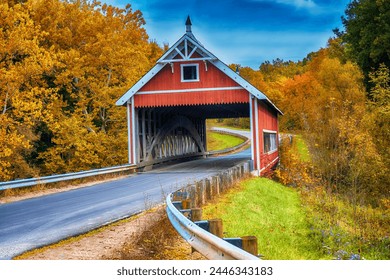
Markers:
{"x": 147, "y": 236}
{"x": 159, "y": 242}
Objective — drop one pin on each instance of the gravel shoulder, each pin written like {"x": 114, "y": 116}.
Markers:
{"x": 146, "y": 236}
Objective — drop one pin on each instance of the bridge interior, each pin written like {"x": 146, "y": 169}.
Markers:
{"x": 174, "y": 132}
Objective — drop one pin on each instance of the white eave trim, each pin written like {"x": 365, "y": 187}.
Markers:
{"x": 189, "y": 90}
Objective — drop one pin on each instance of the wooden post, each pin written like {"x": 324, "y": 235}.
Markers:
{"x": 216, "y": 227}
{"x": 209, "y": 190}
{"x": 249, "y": 244}
{"x": 196, "y": 214}
{"x": 186, "y": 203}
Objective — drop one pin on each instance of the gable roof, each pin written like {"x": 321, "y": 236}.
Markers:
{"x": 183, "y": 50}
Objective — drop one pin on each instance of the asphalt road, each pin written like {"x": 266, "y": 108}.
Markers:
{"x": 33, "y": 223}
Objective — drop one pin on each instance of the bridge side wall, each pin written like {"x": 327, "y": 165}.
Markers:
{"x": 268, "y": 123}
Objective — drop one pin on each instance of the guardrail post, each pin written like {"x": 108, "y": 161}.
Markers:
{"x": 230, "y": 177}
{"x": 200, "y": 193}
{"x": 196, "y": 214}
{"x": 186, "y": 204}
{"x": 216, "y": 227}
{"x": 249, "y": 244}
{"x": 192, "y": 190}
{"x": 215, "y": 185}
{"x": 209, "y": 191}
{"x": 221, "y": 182}
{"x": 234, "y": 174}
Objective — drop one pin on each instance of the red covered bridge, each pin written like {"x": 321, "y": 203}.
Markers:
{"x": 168, "y": 107}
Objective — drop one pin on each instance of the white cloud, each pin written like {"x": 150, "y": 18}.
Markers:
{"x": 295, "y": 3}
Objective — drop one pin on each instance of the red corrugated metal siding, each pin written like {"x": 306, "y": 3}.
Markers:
{"x": 267, "y": 117}
{"x": 166, "y": 80}
{"x": 191, "y": 98}
{"x": 267, "y": 120}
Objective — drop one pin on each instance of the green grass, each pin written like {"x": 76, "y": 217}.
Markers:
{"x": 302, "y": 149}
{"x": 217, "y": 141}
{"x": 271, "y": 212}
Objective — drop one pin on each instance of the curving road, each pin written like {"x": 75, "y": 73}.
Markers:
{"x": 32, "y": 223}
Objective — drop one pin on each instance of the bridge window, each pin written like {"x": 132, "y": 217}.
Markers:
{"x": 270, "y": 144}
{"x": 190, "y": 72}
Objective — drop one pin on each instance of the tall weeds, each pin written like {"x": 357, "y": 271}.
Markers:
{"x": 346, "y": 228}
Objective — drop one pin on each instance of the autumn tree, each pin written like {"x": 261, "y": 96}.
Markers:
{"x": 378, "y": 117}
{"x": 64, "y": 64}
{"x": 327, "y": 103}
{"x": 102, "y": 50}
{"x": 24, "y": 95}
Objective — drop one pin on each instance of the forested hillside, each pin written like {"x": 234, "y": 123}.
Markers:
{"x": 63, "y": 64}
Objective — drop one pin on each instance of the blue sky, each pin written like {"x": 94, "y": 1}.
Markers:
{"x": 246, "y": 32}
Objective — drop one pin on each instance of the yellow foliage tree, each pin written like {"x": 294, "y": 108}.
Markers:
{"x": 63, "y": 65}
{"x": 24, "y": 96}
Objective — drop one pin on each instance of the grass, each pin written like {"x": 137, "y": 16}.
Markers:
{"x": 302, "y": 149}
{"x": 217, "y": 141}
{"x": 273, "y": 213}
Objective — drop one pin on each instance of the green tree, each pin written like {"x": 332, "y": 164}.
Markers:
{"x": 367, "y": 33}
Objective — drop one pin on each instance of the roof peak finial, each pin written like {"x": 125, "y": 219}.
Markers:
{"x": 188, "y": 24}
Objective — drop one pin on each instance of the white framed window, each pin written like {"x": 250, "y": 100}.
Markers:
{"x": 269, "y": 139}
{"x": 189, "y": 72}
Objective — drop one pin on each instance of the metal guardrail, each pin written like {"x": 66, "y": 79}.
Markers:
{"x": 63, "y": 177}
{"x": 209, "y": 245}
{"x": 182, "y": 207}
{"x": 95, "y": 172}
